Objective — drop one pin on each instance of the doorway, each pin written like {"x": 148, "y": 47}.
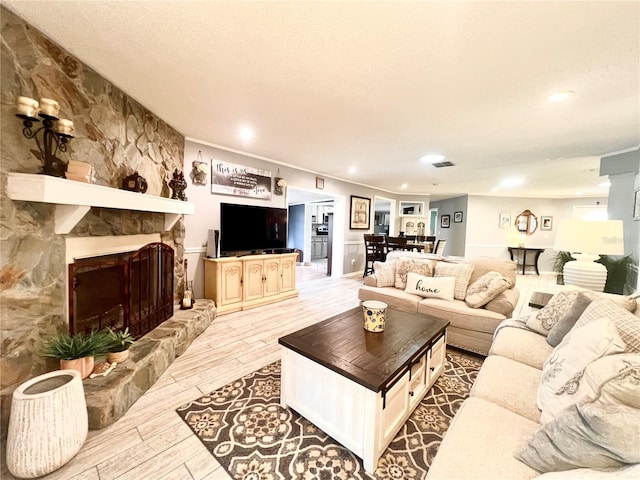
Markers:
{"x": 319, "y": 230}
{"x": 383, "y": 220}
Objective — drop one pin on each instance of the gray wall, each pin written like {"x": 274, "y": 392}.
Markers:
{"x": 624, "y": 173}
{"x": 456, "y": 234}
{"x": 295, "y": 238}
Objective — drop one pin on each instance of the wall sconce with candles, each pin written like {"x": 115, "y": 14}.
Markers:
{"x": 51, "y": 137}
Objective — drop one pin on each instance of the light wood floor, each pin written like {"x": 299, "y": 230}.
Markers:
{"x": 152, "y": 443}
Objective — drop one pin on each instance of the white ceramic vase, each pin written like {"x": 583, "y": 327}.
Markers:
{"x": 48, "y": 423}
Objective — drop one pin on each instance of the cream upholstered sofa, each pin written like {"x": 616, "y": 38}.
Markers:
{"x": 588, "y": 386}
{"x": 471, "y": 328}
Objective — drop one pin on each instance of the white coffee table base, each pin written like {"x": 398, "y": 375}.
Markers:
{"x": 362, "y": 420}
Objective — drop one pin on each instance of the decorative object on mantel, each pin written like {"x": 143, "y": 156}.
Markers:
{"x": 80, "y": 172}
{"x": 56, "y": 132}
{"x": 48, "y": 423}
{"x": 135, "y": 183}
{"x": 199, "y": 170}
{"x": 178, "y": 184}
{"x": 187, "y": 301}
{"x": 279, "y": 184}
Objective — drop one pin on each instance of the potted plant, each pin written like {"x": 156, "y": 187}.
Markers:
{"x": 77, "y": 351}
{"x": 558, "y": 264}
{"x": 119, "y": 342}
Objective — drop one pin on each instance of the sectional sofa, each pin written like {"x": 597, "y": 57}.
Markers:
{"x": 558, "y": 397}
{"x": 484, "y": 293}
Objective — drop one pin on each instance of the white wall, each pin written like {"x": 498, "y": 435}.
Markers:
{"x": 347, "y": 244}
{"x": 485, "y": 238}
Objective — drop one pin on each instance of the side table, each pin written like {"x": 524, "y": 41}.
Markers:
{"x": 539, "y": 299}
{"x": 522, "y": 253}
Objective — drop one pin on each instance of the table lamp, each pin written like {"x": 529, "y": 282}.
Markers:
{"x": 586, "y": 240}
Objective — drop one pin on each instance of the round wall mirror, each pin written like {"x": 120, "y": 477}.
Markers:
{"x": 526, "y": 222}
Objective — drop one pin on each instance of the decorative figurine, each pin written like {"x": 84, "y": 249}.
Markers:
{"x": 135, "y": 183}
{"x": 178, "y": 184}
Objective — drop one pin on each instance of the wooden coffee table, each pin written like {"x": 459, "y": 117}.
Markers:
{"x": 357, "y": 386}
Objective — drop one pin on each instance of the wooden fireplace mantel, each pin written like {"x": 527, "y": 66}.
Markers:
{"x": 74, "y": 199}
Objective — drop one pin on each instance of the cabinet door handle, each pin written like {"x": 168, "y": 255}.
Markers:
{"x": 411, "y": 393}
{"x": 432, "y": 368}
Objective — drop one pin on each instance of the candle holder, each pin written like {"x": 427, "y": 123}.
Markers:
{"x": 53, "y": 136}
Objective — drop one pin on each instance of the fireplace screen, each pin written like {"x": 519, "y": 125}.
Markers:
{"x": 133, "y": 290}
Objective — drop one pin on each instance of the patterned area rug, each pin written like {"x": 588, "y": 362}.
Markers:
{"x": 253, "y": 438}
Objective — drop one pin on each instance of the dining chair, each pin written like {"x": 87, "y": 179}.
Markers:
{"x": 396, "y": 243}
{"x": 439, "y": 248}
{"x": 375, "y": 251}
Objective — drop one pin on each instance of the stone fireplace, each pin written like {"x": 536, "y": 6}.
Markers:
{"x": 41, "y": 236}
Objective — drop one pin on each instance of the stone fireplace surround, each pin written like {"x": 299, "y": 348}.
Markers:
{"x": 108, "y": 398}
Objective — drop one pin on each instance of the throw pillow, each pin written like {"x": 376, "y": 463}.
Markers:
{"x": 485, "y": 289}
{"x": 385, "y": 272}
{"x": 430, "y": 286}
{"x": 566, "y": 323}
{"x": 613, "y": 378}
{"x": 627, "y": 302}
{"x": 546, "y": 318}
{"x": 627, "y": 323}
{"x": 593, "y": 435}
{"x": 460, "y": 271}
{"x": 406, "y": 265}
{"x": 578, "y": 348}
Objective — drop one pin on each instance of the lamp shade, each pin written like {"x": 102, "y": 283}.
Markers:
{"x": 596, "y": 237}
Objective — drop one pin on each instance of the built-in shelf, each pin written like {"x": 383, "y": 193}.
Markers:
{"x": 74, "y": 199}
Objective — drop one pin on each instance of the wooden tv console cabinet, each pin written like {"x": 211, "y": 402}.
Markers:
{"x": 240, "y": 283}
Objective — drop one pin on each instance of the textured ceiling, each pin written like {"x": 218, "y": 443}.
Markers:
{"x": 376, "y": 85}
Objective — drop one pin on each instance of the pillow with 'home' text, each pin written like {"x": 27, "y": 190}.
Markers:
{"x": 436, "y": 287}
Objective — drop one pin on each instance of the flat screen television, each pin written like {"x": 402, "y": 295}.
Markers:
{"x": 246, "y": 228}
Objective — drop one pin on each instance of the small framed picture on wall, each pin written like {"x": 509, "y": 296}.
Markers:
{"x": 505, "y": 220}
{"x": 636, "y": 206}
{"x": 457, "y": 217}
{"x": 546, "y": 223}
{"x": 444, "y": 221}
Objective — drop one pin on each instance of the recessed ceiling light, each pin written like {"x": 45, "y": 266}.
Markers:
{"x": 404, "y": 186}
{"x": 494, "y": 189}
{"x": 432, "y": 158}
{"x": 578, "y": 193}
{"x": 511, "y": 182}
{"x": 246, "y": 134}
{"x": 561, "y": 96}
{"x": 352, "y": 170}
{"x": 605, "y": 184}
